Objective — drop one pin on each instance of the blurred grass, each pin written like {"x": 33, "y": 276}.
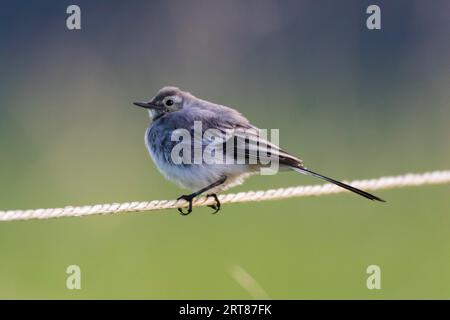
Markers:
{"x": 307, "y": 248}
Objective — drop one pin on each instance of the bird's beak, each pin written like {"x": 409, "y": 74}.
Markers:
{"x": 146, "y": 105}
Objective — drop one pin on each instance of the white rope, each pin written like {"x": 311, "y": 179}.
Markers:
{"x": 435, "y": 177}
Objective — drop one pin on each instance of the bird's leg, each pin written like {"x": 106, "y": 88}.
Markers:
{"x": 189, "y": 199}
{"x": 215, "y": 206}
{"x": 191, "y": 196}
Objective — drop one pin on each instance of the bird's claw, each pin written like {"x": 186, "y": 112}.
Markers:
{"x": 189, "y": 199}
{"x": 216, "y": 206}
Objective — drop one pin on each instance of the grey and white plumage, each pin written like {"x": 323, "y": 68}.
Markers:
{"x": 172, "y": 109}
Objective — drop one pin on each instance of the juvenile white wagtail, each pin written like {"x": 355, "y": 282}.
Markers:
{"x": 172, "y": 109}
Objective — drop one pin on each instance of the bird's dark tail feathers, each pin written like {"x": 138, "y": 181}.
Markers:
{"x": 340, "y": 184}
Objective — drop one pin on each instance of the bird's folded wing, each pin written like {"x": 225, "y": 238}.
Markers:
{"x": 250, "y": 146}
{"x": 239, "y": 145}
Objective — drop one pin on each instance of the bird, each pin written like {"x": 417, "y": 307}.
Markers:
{"x": 172, "y": 110}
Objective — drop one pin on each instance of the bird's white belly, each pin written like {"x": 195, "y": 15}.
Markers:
{"x": 198, "y": 176}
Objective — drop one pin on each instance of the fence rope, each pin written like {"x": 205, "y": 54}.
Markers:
{"x": 407, "y": 180}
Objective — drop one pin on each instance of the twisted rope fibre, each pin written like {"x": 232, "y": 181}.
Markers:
{"x": 427, "y": 178}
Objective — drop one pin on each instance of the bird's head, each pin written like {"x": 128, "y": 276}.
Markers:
{"x": 168, "y": 99}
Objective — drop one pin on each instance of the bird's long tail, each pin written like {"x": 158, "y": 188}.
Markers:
{"x": 340, "y": 184}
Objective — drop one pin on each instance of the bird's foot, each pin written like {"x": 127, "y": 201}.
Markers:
{"x": 215, "y": 206}
{"x": 189, "y": 199}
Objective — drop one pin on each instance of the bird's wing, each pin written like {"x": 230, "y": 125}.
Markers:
{"x": 227, "y": 130}
{"x": 247, "y": 145}
{"x": 254, "y": 146}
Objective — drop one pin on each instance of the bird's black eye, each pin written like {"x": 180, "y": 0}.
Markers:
{"x": 169, "y": 102}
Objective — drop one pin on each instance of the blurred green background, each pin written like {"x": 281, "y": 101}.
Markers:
{"x": 351, "y": 102}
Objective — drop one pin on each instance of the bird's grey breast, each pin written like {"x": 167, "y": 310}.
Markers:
{"x": 158, "y": 140}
